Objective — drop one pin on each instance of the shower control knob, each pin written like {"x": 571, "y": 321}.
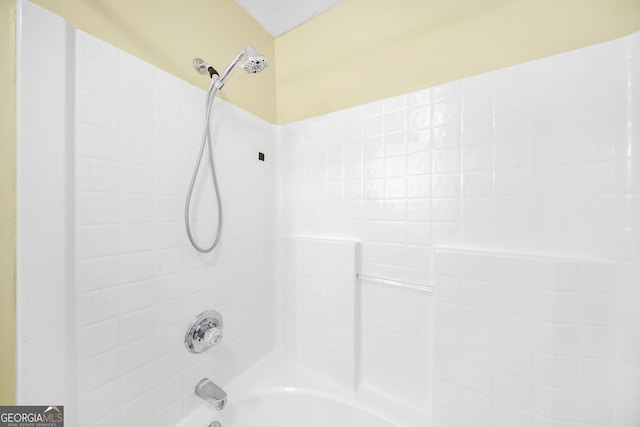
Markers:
{"x": 213, "y": 335}
{"x": 204, "y": 332}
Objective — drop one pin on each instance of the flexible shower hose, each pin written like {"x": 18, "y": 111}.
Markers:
{"x": 206, "y": 143}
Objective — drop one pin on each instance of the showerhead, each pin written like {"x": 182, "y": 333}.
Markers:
{"x": 249, "y": 59}
{"x": 254, "y": 62}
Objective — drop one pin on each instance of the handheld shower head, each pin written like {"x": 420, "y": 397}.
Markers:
{"x": 254, "y": 62}
{"x": 249, "y": 59}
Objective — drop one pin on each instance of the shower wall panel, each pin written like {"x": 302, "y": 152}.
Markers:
{"x": 326, "y": 308}
{"x": 356, "y": 333}
{"x": 138, "y": 280}
{"x": 44, "y": 306}
{"x": 523, "y": 339}
{"x": 542, "y": 157}
{"x": 396, "y": 342}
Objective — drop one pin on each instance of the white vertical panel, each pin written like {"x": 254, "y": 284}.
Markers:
{"x": 396, "y": 354}
{"x": 44, "y": 281}
{"x": 326, "y": 308}
{"x": 45, "y": 209}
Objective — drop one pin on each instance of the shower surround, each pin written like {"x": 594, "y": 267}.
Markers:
{"x": 137, "y": 279}
{"x": 115, "y": 185}
{"x": 515, "y": 193}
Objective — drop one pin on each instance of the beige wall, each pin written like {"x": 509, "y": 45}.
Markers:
{"x": 7, "y": 202}
{"x": 363, "y": 50}
{"x": 169, "y": 34}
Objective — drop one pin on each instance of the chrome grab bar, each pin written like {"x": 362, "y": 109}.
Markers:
{"x": 397, "y": 283}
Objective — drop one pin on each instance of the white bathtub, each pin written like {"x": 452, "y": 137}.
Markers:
{"x": 276, "y": 394}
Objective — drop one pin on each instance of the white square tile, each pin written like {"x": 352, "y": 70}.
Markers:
{"x": 447, "y": 137}
{"x": 136, "y": 296}
{"x": 476, "y": 409}
{"x": 395, "y": 166}
{"x": 395, "y": 122}
{"x": 136, "y": 180}
{"x": 96, "y": 241}
{"x": 98, "y": 338}
{"x": 513, "y": 390}
{"x": 98, "y": 371}
{"x": 136, "y": 208}
{"x": 419, "y": 163}
{"x": 137, "y": 91}
{"x": 419, "y": 186}
{"x": 137, "y": 149}
{"x": 96, "y": 75}
{"x": 445, "y": 161}
{"x": 96, "y": 109}
{"x": 96, "y": 273}
{"x": 97, "y": 175}
{"x": 96, "y": 142}
{"x": 97, "y": 306}
{"x": 97, "y": 208}
{"x": 136, "y": 121}
{"x": 419, "y": 117}
{"x": 447, "y": 112}
{"x": 136, "y": 267}
{"x": 136, "y": 325}
{"x": 99, "y": 403}
{"x": 477, "y": 378}
{"x": 594, "y": 407}
{"x": 419, "y": 140}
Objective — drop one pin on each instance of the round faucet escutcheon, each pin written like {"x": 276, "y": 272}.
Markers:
{"x": 204, "y": 332}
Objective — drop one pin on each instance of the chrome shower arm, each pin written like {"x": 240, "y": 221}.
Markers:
{"x": 226, "y": 74}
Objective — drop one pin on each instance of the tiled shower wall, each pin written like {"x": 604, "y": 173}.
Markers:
{"x": 523, "y": 339}
{"x": 356, "y": 333}
{"x": 138, "y": 281}
{"x": 539, "y": 158}
{"x": 542, "y": 157}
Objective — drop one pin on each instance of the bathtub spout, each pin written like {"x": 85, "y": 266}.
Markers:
{"x": 212, "y": 393}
